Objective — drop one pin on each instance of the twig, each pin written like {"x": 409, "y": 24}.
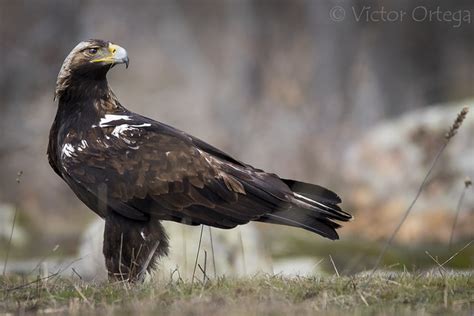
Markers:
{"x": 77, "y": 273}
{"x": 205, "y": 265}
{"x": 440, "y": 266}
{"x": 142, "y": 273}
{"x": 458, "y": 252}
{"x": 243, "y": 252}
{"x": 134, "y": 264}
{"x": 58, "y": 273}
{"x": 363, "y": 298}
{"x": 203, "y": 270}
{"x": 185, "y": 250}
{"x": 43, "y": 259}
{"x": 317, "y": 263}
{"x": 445, "y": 294}
{"x": 197, "y": 255}
{"x": 172, "y": 275}
{"x": 125, "y": 286}
{"x": 204, "y": 273}
{"x": 334, "y": 266}
{"x": 400, "y": 224}
{"x": 450, "y": 134}
{"x": 82, "y": 295}
{"x": 120, "y": 257}
{"x": 467, "y": 184}
{"x": 212, "y": 251}
{"x": 32, "y": 282}
{"x": 9, "y": 243}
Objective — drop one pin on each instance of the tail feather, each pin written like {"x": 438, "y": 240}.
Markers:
{"x": 292, "y": 217}
{"x": 331, "y": 211}
{"x": 313, "y": 208}
{"x": 313, "y": 191}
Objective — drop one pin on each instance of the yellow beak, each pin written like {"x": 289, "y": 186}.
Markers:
{"x": 117, "y": 55}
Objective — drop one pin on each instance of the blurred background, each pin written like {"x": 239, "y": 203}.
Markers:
{"x": 353, "y": 95}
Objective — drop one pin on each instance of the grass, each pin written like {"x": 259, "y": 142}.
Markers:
{"x": 438, "y": 291}
{"x": 387, "y": 293}
{"x": 356, "y": 255}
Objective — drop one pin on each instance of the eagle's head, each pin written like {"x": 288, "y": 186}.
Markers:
{"x": 90, "y": 59}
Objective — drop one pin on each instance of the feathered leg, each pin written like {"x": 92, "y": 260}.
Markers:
{"x": 132, "y": 247}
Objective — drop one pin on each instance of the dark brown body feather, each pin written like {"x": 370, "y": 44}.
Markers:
{"x": 133, "y": 172}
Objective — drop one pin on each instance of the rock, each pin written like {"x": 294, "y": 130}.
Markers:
{"x": 386, "y": 167}
{"x": 7, "y": 215}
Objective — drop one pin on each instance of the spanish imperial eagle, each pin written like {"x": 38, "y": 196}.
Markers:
{"x": 135, "y": 172}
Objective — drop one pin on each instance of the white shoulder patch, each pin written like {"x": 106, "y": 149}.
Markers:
{"x": 119, "y": 129}
{"x": 112, "y": 117}
{"x": 83, "y": 145}
{"x": 67, "y": 150}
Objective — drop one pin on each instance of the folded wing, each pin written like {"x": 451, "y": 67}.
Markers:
{"x": 144, "y": 168}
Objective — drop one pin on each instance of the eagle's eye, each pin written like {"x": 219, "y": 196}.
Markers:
{"x": 92, "y": 51}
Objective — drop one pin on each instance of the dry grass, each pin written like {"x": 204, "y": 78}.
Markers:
{"x": 438, "y": 291}
{"x": 453, "y": 130}
{"x": 387, "y": 293}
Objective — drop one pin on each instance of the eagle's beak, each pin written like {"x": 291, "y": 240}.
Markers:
{"x": 117, "y": 55}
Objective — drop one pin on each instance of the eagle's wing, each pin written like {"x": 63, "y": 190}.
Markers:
{"x": 140, "y": 168}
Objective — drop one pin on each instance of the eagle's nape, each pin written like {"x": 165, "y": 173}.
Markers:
{"x": 134, "y": 172}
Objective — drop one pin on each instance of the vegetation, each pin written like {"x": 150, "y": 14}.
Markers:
{"x": 438, "y": 291}
{"x": 402, "y": 293}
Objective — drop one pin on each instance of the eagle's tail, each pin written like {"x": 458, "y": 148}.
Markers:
{"x": 312, "y": 208}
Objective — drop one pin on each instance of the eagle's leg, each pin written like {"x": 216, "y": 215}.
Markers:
{"x": 132, "y": 247}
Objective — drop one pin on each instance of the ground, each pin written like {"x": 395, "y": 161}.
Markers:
{"x": 434, "y": 292}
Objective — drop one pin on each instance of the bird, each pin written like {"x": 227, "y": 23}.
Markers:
{"x": 135, "y": 172}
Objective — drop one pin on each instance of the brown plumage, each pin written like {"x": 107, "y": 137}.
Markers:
{"x": 134, "y": 171}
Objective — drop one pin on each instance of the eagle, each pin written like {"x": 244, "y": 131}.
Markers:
{"x": 135, "y": 172}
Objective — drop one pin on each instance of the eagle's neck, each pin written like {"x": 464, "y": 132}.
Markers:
{"x": 88, "y": 96}
{"x": 76, "y": 88}
{"x": 80, "y": 105}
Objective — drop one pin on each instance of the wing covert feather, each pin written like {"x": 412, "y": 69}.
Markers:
{"x": 177, "y": 178}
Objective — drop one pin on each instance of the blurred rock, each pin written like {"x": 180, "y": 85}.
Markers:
{"x": 386, "y": 167}
{"x": 7, "y": 215}
{"x": 296, "y": 266}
